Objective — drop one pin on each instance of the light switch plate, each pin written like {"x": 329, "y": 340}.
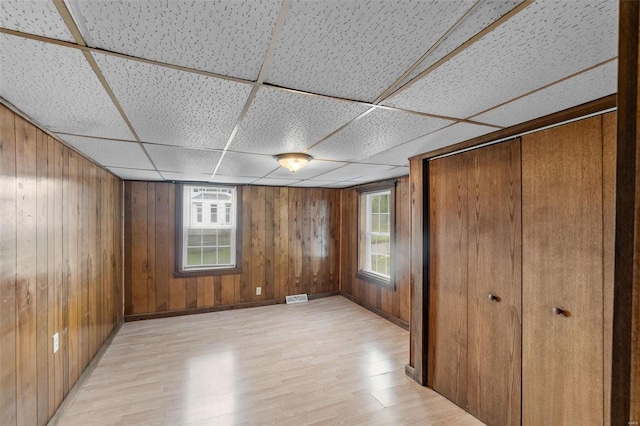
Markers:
{"x": 55, "y": 343}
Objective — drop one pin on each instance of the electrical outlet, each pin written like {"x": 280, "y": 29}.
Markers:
{"x": 258, "y": 291}
{"x": 55, "y": 343}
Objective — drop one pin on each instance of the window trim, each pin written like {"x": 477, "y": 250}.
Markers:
{"x": 178, "y": 272}
{"x": 372, "y": 277}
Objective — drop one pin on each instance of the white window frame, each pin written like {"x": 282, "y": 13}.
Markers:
{"x": 365, "y": 233}
{"x": 188, "y": 222}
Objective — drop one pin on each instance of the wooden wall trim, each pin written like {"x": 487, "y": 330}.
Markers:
{"x": 419, "y": 289}
{"x": 397, "y": 321}
{"x": 593, "y": 107}
{"x": 258, "y": 303}
{"x": 625, "y": 378}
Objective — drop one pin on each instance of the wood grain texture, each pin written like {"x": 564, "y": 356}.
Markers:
{"x": 494, "y": 267}
{"x": 278, "y": 253}
{"x": 609, "y": 137}
{"x": 419, "y": 292}
{"x": 562, "y": 216}
{"x": 387, "y": 301}
{"x": 448, "y": 279}
{"x": 49, "y": 237}
{"x": 625, "y": 379}
{"x": 8, "y": 224}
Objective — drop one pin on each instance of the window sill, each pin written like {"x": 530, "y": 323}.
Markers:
{"x": 374, "y": 279}
{"x": 206, "y": 272}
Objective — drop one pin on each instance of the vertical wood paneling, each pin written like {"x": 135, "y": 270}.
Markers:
{"x": 42, "y": 278}
{"x": 268, "y": 289}
{"x": 26, "y": 376}
{"x": 8, "y": 203}
{"x": 162, "y": 240}
{"x": 50, "y": 226}
{"x": 58, "y": 271}
{"x": 151, "y": 246}
{"x": 139, "y": 231}
{"x": 291, "y": 244}
{"x": 447, "y": 360}
{"x": 494, "y": 267}
{"x": 388, "y": 301}
{"x": 609, "y": 139}
{"x": 257, "y": 240}
{"x": 562, "y": 202}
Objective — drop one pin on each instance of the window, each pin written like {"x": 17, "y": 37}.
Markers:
{"x": 227, "y": 213}
{"x": 376, "y": 233}
{"x": 206, "y": 247}
{"x": 214, "y": 213}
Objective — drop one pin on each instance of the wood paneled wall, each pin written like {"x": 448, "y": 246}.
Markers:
{"x": 395, "y": 303}
{"x": 60, "y": 268}
{"x": 290, "y": 245}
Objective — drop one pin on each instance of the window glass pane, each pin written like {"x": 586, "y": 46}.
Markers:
{"x": 193, "y": 257}
{"x": 224, "y": 237}
{"x": 384, "y": 222}
{"x": 209, "y": 237}
{"x": 224, "y": 255}
{"x": 194, "y": 237}
{"x": 375, "y": 204}
{"x": 209, "y": 256}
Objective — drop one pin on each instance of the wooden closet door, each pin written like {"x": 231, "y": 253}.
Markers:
{"x": 447, "y": 346}
{"x": 562, "y": 260}
{"x": 494, "y": 270}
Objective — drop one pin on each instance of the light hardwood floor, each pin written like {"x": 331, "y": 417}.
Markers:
{"x": 328, "y": 361}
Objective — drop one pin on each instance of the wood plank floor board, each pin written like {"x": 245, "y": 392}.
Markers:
{"x": 328, "y": 361}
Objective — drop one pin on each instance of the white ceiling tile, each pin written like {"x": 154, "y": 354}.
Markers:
{"x": 356, "y": 50}
{"x": 313, "y": 168}
{"x": 276, "y": 182}
{"x": 545, "y": 42}
{"x": 374, "y": 132}
{"x": 187, "y": 177}
{"x": 175, "y": 107}
{"x": 280, "y": 121}
{"x": 239, "y": 164}
{"x": 484, "y": 15}
{"x": 37, "y": 17}
{"x": 591, "y": 85}
{"x": 223, "y": 36}
{"x": 400, "y": 155}
{"x": 352, "y": 171}
{"x": 56, "y": 87}
{"x": 239, "y": 180}
{"x": 382, "y": 175}
{"x": 313, "y": 183}
{"x": 132, "y": 174}
{"x": 183, "y": 160}
{"x": 110, "y": 153}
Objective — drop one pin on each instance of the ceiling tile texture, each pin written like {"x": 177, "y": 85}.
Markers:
{"x": 221, "y": 86}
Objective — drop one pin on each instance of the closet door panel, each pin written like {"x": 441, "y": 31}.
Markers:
{"x": 495, "y": 271}
{"x": 562, "y": 216}
{"x": 447, "y": 368}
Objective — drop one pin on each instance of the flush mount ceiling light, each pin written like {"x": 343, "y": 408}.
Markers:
{"x": 293, "y": 160}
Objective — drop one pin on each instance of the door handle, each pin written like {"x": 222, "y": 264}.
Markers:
{"x": 493, "y": 298}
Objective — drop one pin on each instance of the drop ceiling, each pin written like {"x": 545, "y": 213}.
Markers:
{"x": 211, "y": 90}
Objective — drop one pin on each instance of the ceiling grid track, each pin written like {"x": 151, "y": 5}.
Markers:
{"x": 222, "y": 77}
{"x": 546, "y": 86}
{"x": 286, "y": 4}
{"x": 73, "y": 28}
{"x": 417, "y": 63}
{"x": 463, "y": 46}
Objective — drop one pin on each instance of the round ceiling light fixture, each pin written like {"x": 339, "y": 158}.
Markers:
{"x": 293, "y": 160}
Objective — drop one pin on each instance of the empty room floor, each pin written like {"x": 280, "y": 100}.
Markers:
{"x": 328, "y": 361}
